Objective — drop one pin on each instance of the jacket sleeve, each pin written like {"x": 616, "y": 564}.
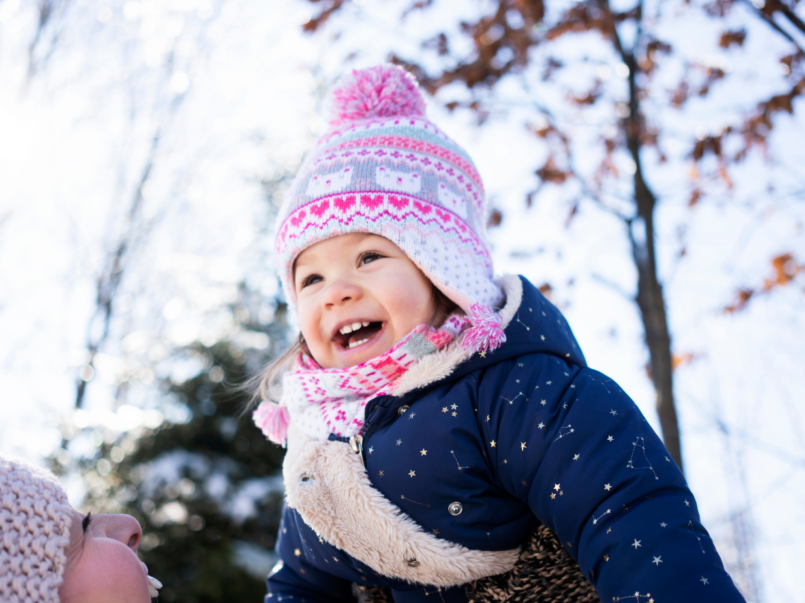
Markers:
{"x": 295, "y": 578}
{"x": 583, "y": 458}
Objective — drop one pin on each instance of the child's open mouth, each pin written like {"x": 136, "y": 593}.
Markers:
{"x": 355, "y": 334}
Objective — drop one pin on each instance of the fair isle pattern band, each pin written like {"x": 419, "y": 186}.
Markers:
{"x": 445, "y": 248}
{"x": 429, "y": 138}
{"x": 401, "y": 143}
{"x": 450, "y": 178}
{"x": 412, "y": 144}
{"x": 416, "y": 162}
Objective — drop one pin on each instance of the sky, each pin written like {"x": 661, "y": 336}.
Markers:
{"x": 217, "y": 102}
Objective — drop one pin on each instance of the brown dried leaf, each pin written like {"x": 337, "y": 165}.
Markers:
{"x": 694, "y": 197}
{"x": 419, "y": 5}
{"x": 437, "y": 43}
{"x": 589, "y": 98}
{"x": 719, "y": 8}
{"x": 678, "y": 360}
{"x": 572, "y": 214}
{"x": 713, "y": 74}
{"x": 649, "y": 62}
{"x": 709, "y": 143}
{"x": 495, "y": 218}
{"x": 791, "y": 62}
{"x": 756, "y": 128}
{"x": 607, "y": 165}
{"x": 725, "y": 176}
{"x": 584, "y": 16}
{"x": 532, "y": 11}
{"x": 742, "y": 298}
{"x": 551, "y": 66}
{"x": 550, "y": 172}
{"x": 322, "y": 17}
{"x": 785, "y": 270}
{"x": 680, "y": 94}
{"x": 728, "y": 38}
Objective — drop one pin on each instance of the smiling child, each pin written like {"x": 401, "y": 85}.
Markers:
{"x": 446, "y": 439}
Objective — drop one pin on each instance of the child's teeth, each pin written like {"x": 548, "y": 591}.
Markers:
{"x": 356, "y": 326}
{"x": 346, "y": 329}
{"x": 154, "y": 582}
{"x": 357, "y": 343}
{"x": 365, "y": 324}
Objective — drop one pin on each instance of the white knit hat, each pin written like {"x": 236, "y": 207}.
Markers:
{"x": 35, "y": 519}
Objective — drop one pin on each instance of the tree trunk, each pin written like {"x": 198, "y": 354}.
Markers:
{"x": 649, "y": 290}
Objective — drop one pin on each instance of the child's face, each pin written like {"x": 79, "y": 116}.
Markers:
{"x": 358, "y": 280}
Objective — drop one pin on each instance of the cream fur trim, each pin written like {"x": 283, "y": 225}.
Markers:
{"x": 327, "y": 484}
{"x": 435, "y": 367}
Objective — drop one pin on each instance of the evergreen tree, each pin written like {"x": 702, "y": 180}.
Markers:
{"x": 204, "y": 484}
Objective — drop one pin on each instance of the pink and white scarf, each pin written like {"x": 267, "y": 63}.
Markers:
{"x": 324, "y": 401}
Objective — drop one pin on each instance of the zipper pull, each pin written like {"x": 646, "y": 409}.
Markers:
{"x": 356, "y": 442}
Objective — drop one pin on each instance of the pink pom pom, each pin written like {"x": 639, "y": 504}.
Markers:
{"x": 486, "y": 334}
{"x": 272, "y": 420}
{"x": 380, "y": 91}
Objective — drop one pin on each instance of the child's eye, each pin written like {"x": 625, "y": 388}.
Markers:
{"x": 310, "y": 280}
{"x": 369, "y": 256}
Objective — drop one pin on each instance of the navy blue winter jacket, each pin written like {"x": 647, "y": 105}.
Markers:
{"x": 510, "y": 439}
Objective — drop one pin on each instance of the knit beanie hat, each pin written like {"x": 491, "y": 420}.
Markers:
{"x": 35, "y": 522}
{"x": 384, "y": 169}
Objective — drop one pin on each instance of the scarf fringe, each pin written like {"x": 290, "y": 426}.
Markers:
{"x": 273, "y": 421}
{"x": 486, "y": 333}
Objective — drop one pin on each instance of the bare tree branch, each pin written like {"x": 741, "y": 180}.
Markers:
{"x": 47, "y": 9}
{"x": 650, "y": 298}
{"x": 615, "y": 287}
{"x": 770, "y": 21}
{"x": 585, "y": 187}
{"x": 112, "y": 274}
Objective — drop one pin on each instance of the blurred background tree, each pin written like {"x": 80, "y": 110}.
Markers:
{"x": 204, "y": 484}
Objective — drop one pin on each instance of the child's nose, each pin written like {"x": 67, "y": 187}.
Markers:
{"x": 123, "y": 528}
{"x": 341, "y": 291}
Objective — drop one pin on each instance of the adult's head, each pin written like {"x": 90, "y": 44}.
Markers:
{"x": 51, "y": 553}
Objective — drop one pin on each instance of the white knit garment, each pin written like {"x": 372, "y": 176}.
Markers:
{"x": 34, "y": 534}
